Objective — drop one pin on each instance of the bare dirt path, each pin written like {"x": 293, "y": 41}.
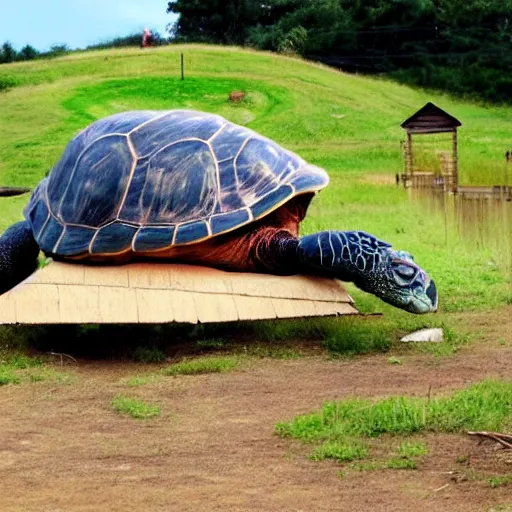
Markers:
{"x": 63, "y": 448}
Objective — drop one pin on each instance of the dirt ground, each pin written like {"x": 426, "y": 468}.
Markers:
{"x": 63, "y": 448}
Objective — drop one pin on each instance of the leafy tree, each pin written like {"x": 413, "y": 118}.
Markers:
{"x": 220, "y": 21}
{"x": 7, "y": 53}
{"x": 461, "y": 45}
{"x": 28, "y": 52}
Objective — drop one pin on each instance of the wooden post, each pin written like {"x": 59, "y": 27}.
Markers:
{"x": 182, "y": 67}
{"x": 409, "y": 162}
{"x": 455, "y": 170}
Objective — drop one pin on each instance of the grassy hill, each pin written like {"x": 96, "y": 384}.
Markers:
{"x": 347, "y": 124}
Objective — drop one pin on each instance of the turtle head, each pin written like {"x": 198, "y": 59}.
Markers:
{"x": 399, "y": 281}
{"x": 372, "y": 265}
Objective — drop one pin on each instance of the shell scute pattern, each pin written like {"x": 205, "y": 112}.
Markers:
{"x": 121, "y": 123}
{"x": 171, "y": 128}
{"x": 77, "y": 238}
{"x": 229, "y": 141}
{"x": 259, "y": 167}
{"x": 230, "y": 198}
{"x": 147, "y": 180}
{"x": 60, "y": 176}
{"x": 114, "y": 238}
{"x": 38, "y": 212}
{"x": 97, "y": 183}
{"x": 228, "y": 221}
{"x": 277, "y": 196}
{"x": 188, "y": 193}
{"x": 153, "y": 238}
{"x": 191, "y": 231}
{"x": 51, "y": 234}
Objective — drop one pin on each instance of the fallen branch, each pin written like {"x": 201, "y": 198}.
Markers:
{"x": 62, "y": 356}
{"x": 504, "y": 439}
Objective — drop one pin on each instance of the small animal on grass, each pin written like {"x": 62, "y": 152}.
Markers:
{"x": 192, "y": 187}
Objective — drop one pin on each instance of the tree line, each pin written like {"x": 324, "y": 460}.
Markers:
{"x": 464, "y": 46}
{"x": 9, "y": 54}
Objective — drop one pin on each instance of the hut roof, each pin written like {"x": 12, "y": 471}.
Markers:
{"x": 430, "y": 119}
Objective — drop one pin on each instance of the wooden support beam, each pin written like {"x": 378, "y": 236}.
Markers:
{"x": 409, "y": 156}
{"x": 455, "y": 170}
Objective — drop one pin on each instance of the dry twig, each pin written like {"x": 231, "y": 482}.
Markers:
{"x": 62, "y": 356}
{"x": 504, "y": 439}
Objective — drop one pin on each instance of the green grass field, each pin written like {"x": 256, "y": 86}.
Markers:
{"x": 350, "y": 125}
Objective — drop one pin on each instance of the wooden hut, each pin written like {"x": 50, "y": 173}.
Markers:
{"x": 428, "y": 120}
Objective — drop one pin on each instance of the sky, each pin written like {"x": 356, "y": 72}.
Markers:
{"x": 77, "y": 23}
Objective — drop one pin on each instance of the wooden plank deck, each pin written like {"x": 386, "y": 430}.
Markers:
{"x": 145, "y": 293}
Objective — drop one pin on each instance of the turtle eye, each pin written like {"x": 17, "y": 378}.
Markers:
{"x": 404, "y": 271}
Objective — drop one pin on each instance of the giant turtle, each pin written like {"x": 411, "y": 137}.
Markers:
{"x": 188, "y": 186}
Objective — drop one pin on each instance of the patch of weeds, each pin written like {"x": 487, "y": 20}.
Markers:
{"x": 412, "y": 449}
{"x": 36, "y": 377}
{"x": 394, "y": 360}
{"x": 481, "y": 406}
{"x": 16, "y": 368}
{"x": 502, "y": 507}
{"x": 271, "y": 352}
{"x": 135, "y": 408}
{"x": 462, "y": 459}
{"x": 401, "y": 463}
{"x": 304, "y": 328}
{"x": 499, "y": 481}
{"x": 358, "y": 336}
{"x": 44, "y": 374}
{"x": 139, "y": 380}
{"x": 343, "y": 451}
{"x": 366, "y": 466}
{"x": 8, "y": 378}
{"x": 149, "y": 355}
{"x": 202, "y": 365}
{"x": 19, "y": 361}
{"x": 213, "y": 344}
{"x": 341, "y": 474}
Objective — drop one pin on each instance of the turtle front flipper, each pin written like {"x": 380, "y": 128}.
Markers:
{"x": 372, "y": 265}
{"x": 18, "y": 255}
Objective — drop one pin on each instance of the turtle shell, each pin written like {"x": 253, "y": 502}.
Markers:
{"x": 148, "y": 180}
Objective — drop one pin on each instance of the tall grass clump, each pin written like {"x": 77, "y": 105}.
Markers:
{"x": 356, "y": 336}
{"x": 483, "y": 406}
{"x": 137, "y": 409}
{"x": 202, "y": 365}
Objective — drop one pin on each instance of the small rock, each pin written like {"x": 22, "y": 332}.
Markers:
{"x": 431, "y": 335}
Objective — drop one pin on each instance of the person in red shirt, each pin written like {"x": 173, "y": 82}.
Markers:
{"x": 146, "y": 38}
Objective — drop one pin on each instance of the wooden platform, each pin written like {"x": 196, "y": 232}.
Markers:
{"x": 64, "y": 293}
